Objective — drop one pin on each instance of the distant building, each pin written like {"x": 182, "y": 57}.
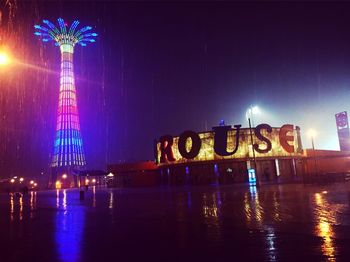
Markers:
{"x": 133, "y": 174}
{"x": 277, "y": 156}
{"x": 225, "y": 156}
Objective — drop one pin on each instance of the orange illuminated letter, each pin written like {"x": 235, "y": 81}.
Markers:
{"x": 285, "y": 138}
{"x": 196, "y": 144}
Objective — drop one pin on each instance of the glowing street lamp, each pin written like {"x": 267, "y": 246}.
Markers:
{"x": 4, "y": 59}
{"x": 12, "y": 180}
{"x": 21, "y": 179}
{"x": 251, "y": 111}
{"x": 64, "y": 176}
{"x": 31, "y": 182}
{"x": 312, "y": 133}
{"x": 58, "y": 184}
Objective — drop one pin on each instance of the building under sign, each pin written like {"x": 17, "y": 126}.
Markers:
{"x": 277, "y": 156}
{"x": 229, "y": 155}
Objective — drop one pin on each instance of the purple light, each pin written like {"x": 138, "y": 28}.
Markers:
{"x": 68, "y": 147}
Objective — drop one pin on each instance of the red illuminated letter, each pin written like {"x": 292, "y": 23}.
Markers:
{"x": 285, "y": 138}
{"x": 166, "y": 150}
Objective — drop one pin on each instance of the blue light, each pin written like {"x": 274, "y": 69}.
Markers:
{"x": 62, "y": 25}
{"x": 86, "y": 28}
{"x": 69, "y": 228}
{"x": 253, "y": 191}
{"x": 251, "y": 176}
{"x": 62, "y": 36}
{"x": 216, "y": 169}
{"x": 73, "y": 27}
{"x": 52, "y": 26}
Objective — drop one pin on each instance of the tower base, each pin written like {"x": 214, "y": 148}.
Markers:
{"x": 64, "y": 177}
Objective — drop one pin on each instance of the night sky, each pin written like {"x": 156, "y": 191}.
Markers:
{"x": 164, "y": 67}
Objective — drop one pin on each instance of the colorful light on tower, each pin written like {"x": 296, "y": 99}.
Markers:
{"x": 68, "y": 149}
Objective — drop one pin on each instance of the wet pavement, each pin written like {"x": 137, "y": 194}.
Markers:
{"x": 227, "y": 223}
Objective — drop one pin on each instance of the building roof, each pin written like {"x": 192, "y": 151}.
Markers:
{"x": 129, "y": 167}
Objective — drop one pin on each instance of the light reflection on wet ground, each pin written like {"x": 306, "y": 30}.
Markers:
{"x": 271, "y": 223}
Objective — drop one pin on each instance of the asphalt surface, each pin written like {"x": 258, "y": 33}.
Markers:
{"x": 212, "y": 223}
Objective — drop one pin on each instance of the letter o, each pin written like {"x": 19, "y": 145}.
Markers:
{"x": 196, "y": 144}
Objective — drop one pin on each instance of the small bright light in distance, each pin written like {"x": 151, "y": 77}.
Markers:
{"x": 252, "y": 110}
{"x": 31, "y": 182}
{"x": 94, "y": 180}
{"x": 35, "y": 184}
{"x": 12, "y": 180}
{"x": 311, "y": 133}
{"x": 255, "y": 110}
{"x": 21, "y": 179}
{"x": 110, "y": 175}
{"x": 64, "y": 176}
{"x": 58, "y": 184}
{"x": 4, "y": 59}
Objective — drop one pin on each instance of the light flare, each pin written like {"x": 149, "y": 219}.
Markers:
{"x": 4, "y": 59}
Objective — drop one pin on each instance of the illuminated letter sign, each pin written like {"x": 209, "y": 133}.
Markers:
{"x": 220, "y": 140}
{"x": 285, "y": 138}
{"x": 166, "y": 143}
{"x": 196, "y": 144}
{"x": 224, "y": 142}
{"x": 262, "y": 138}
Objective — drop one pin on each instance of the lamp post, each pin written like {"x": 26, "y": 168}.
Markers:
{"x": 249, "y": 114}
{"x": 312, "y": 134}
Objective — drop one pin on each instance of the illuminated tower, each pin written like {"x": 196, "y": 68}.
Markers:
{"x": 68, "y": 149}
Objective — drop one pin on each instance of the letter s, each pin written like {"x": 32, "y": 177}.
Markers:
{"x": 263, "y": 138}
